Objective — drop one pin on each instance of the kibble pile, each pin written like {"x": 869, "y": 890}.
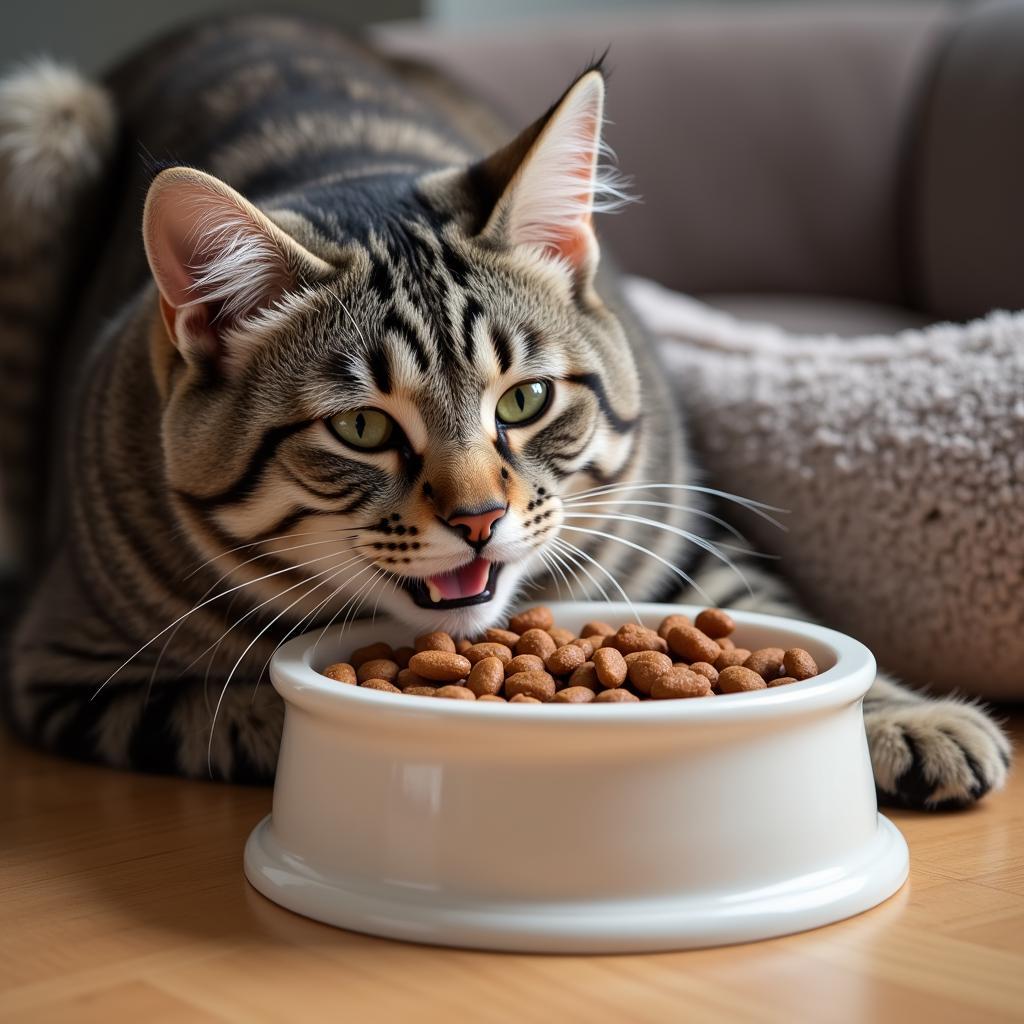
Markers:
{"x": 536, "y": 662}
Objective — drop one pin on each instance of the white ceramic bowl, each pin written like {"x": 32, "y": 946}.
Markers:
{"x": 578, "y": 828}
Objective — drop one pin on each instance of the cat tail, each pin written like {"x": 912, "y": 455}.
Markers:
{"x": 57, "y": 136}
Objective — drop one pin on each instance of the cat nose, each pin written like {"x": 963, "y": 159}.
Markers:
{"x": 476, "y": 526}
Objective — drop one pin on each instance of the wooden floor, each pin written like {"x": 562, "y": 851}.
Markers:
{"x": 122, "y": 898}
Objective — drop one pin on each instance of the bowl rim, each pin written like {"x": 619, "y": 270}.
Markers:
{"x": 295, "y": 679}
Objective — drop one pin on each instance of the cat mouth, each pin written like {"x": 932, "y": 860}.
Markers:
{"x": 472, "y": 583}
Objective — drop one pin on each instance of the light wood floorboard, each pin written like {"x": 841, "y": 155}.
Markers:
{"x": 122, "y": 898}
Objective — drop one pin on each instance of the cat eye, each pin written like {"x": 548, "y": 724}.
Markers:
{"x": 366, "y": 429}
{"x": 523, "y": 403}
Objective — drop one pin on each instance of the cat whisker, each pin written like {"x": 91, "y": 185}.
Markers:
{"x": 349, "y": 602}
{"x": 333, "y": 572}
{"x": 550, "y": 566}
{"x": 757, "y": 507}
{"x": 615, "y": 502}
{"x": 308, "y": 617}
{"x": 705, "y": 545}
{"x": 197, "y": 607}
{"x": 593, "y": 561}
{"x": 353, "y": 604}
{"x": 263, "y": 604}
{"x": 690, "y": 582}
{"x": 217, "y": 583}
{"x": 561, "y": 561}
{"x": 328, "y": 535}
{"x": 238, "y": 661}
{"x": 389, "y": 580}
{"x": 560, "y": 544}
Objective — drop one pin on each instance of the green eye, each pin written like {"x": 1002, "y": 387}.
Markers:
{"x": 369, "y": 429}
{"x": 523, "y": 403}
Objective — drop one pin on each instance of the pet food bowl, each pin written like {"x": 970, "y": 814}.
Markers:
{"x": 567, "y": 828}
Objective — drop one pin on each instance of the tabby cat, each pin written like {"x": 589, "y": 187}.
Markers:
{"x": 354, "y": 363}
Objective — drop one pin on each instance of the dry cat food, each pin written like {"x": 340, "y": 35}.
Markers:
{"x": 536, "y": 662}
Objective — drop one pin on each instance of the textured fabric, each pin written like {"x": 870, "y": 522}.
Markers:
{"x": 812, "y": 314}
{"x": 965, "y": 196}
{"x": 901, "y": 462}
{"x": 766, "y": 142}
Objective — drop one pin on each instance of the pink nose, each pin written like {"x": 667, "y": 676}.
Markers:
{"x": 478, "y": 523}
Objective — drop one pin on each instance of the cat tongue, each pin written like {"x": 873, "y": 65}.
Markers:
{"x": 467, "y": 581}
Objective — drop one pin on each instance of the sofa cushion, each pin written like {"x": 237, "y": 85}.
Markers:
{"x": 900, "y": 460}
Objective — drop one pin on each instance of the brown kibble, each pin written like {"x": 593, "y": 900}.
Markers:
{"x": 693, "y": 645}
{"x": 585, "y": 645}
{"x": 671, "y": 622}
{"x": 340, "y": 672}
{"x": 435, "y": 642}
{"x": 678, "y": 683}
{"x": 455, "y": 693}
{"x": 379, "y": 684}
{"x": 709, "y": 672}
{"x": 574, "y": 695}
{"x": 407, "y": 678}
{"x": 535, "y": 661}
{"x": 524, "y": 663}
{"x": 533, "y": 684}
{"x": 766, "y": 662}
{"x": 488, "y": 650}
{"x": 371, "y": 651}
{"x": 799, "y": 664}
{"x": 565, "y": 660}
{"x": 631, "y": 638}
{"x": 378, "y": 668}
{"x": 487, "y": 676}
{"x": 610, "y": 667}
{"x": 616, "y": 696}
{"x": 536, "y": 641}
{"x": 585, "y": 675}
{"x": 561, "y": 636}
{"x": 532, "y": 618}
{"x": 734, "y": 656}
{"x": 644, "y": 667}
{"x": 738, "y": 678}
{"x": 441, "y": 665}
{"x": 715, "y": 623}
{"x": 501, "y": 636}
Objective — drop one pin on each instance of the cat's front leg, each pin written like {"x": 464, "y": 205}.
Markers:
{"x": 931, "y": 753}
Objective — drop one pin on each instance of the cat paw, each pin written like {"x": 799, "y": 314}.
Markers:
{"x": 935, "y": 754}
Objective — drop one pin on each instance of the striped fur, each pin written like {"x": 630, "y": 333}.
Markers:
{"x": 352, "y": 245}
{"x": 56, "y": 133}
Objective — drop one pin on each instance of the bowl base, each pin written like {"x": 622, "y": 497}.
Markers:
{"x": 864, "y": 879}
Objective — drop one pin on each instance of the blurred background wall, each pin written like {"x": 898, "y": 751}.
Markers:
{"x": 94, "y": 33}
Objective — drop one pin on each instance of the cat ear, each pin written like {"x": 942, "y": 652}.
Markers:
{"x": 546, "y": 180}
{"x": 217, "y": 261}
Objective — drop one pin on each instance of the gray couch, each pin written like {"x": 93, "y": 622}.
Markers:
{"x": 820, "y": 167}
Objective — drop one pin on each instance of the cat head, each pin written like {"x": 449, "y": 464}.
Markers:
{"x": 389, "y": 410}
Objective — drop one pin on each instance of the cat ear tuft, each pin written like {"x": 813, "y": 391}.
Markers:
{"x": 217, "y": 260}
{"x": 548, "y": 180}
